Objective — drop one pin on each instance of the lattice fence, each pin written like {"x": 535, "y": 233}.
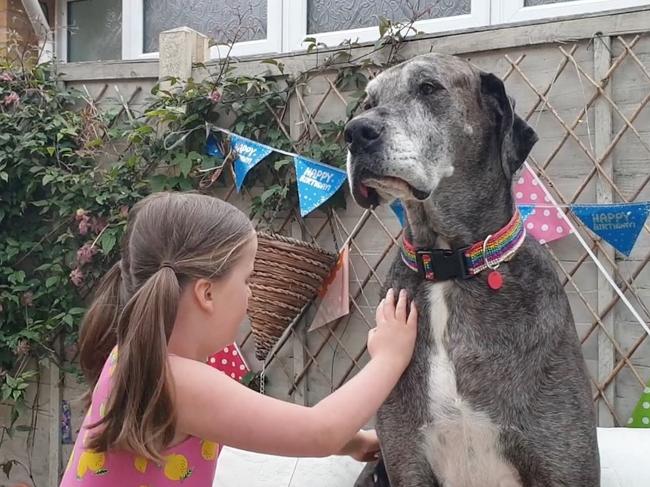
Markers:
{"x": 587, "y": 100}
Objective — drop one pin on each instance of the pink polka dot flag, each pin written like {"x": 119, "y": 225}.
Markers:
{"x": 230, "y": 362}
{"x": 545, "y": 222}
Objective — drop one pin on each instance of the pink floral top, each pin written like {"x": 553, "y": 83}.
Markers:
{"x": 190, "y": 463}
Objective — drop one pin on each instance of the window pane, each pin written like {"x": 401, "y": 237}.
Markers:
{"x": 333, "y": 15}
{"x": 220, "y": 20}
{"x": 532, "y": 3}
{"x": 94, "y": 30}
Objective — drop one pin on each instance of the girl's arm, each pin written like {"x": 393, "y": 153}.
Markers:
{"x": 212, "y": 406}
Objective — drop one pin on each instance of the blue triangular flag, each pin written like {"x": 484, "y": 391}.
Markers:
{"x": 618, "y": 224}
{"x": 249, "y": 154}
{"x": 398, "y": 209}
{"x": 212, "y": 146}
{"x": 526, "y": 210}
{"x": 317, "y": 182}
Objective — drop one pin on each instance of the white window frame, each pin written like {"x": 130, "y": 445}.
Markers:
{"x": 133, "y": 33}
{"x": 507, "y": 11}
{"x": 295, "y": 21}
{"x": 287, "y": 24}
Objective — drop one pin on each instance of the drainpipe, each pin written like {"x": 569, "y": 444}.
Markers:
{"x": 41, "y": 28}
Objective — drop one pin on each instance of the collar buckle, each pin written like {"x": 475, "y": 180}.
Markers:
{"x": 442, "y": 264}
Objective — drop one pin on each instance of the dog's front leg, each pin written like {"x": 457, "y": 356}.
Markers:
{"x": 402, "y": 448}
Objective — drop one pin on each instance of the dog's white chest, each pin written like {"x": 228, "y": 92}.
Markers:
{"x": 460, "y": 443}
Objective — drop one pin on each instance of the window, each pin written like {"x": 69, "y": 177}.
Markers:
{"x": 94, "y": 30}
{"x": 504, "y": 11}
{"x": 333, "y": 21}
{"x": 129, "y": 29}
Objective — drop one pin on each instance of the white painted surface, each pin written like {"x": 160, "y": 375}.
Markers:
{"x": 237, "y": 468}
{"x": 624, "y": 454}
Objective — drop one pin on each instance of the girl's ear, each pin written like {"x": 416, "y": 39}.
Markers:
{"x": 203, "y": 293}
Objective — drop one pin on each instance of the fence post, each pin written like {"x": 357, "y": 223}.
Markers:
{"x": 604, "y": 194}
{"x": 180, "y": 49}
{"x": 54, "y": 406}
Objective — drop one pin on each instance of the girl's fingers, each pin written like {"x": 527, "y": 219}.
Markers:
{"x": 400, "y": 309}
{"x": 413, "y": 315}
{"x": 389, "y": 304}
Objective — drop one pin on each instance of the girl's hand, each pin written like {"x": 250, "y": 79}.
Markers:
{"x": 363, "y": 447}
{"x": 394, "y": 336}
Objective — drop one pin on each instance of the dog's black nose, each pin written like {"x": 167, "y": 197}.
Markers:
{"x": 362, "y": 132}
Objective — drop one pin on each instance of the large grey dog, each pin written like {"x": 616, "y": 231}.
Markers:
{"x": 497, "y": 393}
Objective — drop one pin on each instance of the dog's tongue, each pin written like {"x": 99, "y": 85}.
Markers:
{"x": 363, "y": 189}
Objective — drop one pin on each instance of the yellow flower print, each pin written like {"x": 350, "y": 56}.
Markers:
{"x": 209, "y": 450}
{"x": 93, "y": 462}
{"x": 140, "y": 464}
{"x": 113, "y": 362}
{"x": 177, "y": 467}
{"x": 102, "y": 410}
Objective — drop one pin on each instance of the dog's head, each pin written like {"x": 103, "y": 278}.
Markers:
{"x": 434, "y": 129}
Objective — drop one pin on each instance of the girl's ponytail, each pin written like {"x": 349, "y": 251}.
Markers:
{"x": 140, "y": 414}
{"x": 98, "y": 333}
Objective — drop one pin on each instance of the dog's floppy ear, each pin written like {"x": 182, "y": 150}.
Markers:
{"x": 516, "y": 137}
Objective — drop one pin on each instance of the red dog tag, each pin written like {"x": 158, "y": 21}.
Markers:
{"x": 495, "y": 280}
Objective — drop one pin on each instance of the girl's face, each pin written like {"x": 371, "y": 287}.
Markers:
{"x": 231, "y": 294}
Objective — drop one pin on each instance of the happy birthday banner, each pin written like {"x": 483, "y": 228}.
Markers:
{"x": 619, "y": 224}
{"x": 317, "y": 182}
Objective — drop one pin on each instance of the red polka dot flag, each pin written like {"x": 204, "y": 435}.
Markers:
{"x": 545, "y": 222}
{"x": 230, "y": 362}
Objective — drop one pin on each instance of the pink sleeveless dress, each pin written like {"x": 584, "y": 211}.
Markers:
{"x": 191, "y": 463}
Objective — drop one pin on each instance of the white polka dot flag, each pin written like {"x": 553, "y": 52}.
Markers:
{"x": 618, "y": 223}
{"x": 230, "y": 362}
{"x": 545, "y": 221}
{"x": 317, "y": 182}
{"x": 641, "y": 414}
{"x": 249, "y": 154}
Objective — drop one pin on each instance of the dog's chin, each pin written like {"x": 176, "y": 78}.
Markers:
{"x": 365, "y": 196}
{"x": 389, "y": 188}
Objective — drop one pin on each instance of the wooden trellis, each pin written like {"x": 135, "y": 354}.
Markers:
{"x": 580, "y": 162}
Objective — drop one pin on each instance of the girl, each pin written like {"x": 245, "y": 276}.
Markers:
{"x": 158, "y": 413}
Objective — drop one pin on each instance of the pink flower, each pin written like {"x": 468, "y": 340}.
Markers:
{"x": 215, "y": 96}
{"x": 22, "y": 348}
{"x": 97, "y": 224}
{"x": 79, "y": 214}
{"x": 6, "y": 77}
{"x": 27, "y": 299}
{"x": 85, "y": 253}
{"x": 77, "y": 277}
{"x": 84, "y": 225}
{"x": 11, "y": 99}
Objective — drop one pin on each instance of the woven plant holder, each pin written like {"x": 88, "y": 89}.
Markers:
{"x": 288, "y": 274}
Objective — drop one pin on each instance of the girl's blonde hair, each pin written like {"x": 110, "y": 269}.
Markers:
{"x": 170, "y": 239}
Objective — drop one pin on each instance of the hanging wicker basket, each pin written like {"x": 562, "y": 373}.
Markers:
{"x": 288, "y": 274}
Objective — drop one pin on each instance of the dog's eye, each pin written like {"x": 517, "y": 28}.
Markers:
{"x": 367, "y": 105}
{"x": 430, "y": 87}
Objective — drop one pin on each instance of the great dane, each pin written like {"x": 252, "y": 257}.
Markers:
{"x": 497, "y": 394}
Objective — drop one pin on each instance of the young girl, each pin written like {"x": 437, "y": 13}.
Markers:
{"x": 158, "y": 413}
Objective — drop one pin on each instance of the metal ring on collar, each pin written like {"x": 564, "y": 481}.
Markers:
{"x": 485, "y": 257}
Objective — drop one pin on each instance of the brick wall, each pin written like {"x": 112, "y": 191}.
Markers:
{"x": 15, "y": 24}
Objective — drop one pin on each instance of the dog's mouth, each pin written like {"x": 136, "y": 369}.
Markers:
{"x": 372, "y": 190}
